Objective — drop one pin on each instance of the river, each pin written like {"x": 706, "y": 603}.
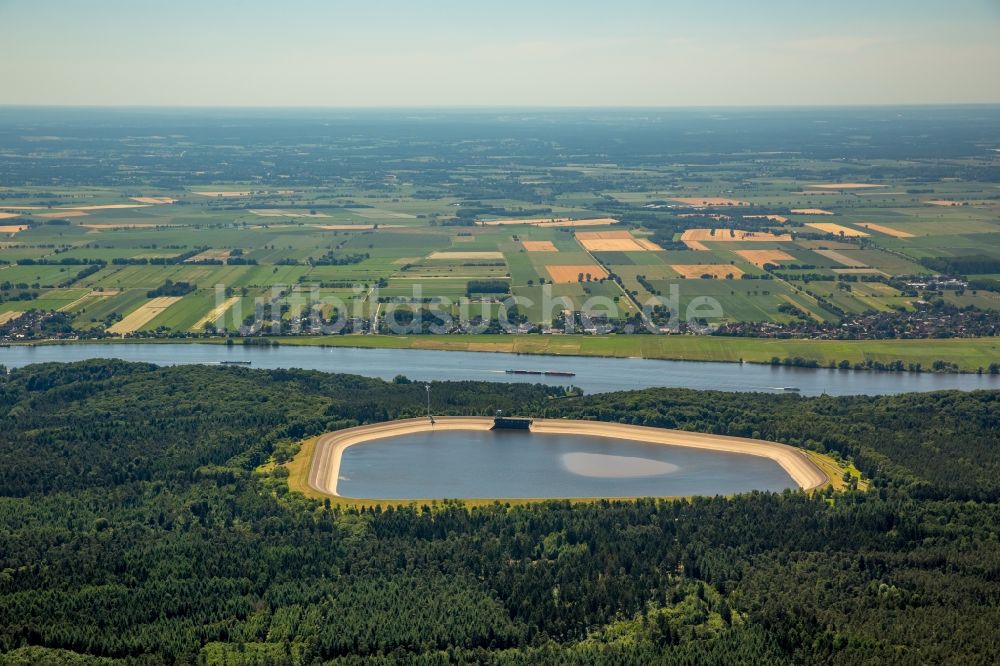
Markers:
{"x": 593, "y": 374}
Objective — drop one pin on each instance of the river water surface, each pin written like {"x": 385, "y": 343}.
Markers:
{"x": 593, "y": 374}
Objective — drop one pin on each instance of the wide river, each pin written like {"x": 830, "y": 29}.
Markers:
{"x": 512, "y": 464}
{"x": 593, "y": 375}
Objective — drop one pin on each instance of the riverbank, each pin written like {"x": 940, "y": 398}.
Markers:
{"x": 316, "y": 468}
{"x": 967, "y": 354}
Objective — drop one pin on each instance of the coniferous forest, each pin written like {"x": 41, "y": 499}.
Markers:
{"x": 140, "y": 524}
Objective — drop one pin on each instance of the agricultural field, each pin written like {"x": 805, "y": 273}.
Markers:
{"x": 775, "y": 238}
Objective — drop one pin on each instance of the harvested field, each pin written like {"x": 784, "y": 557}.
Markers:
{"x": 215, "y": 313}
{"x": 9, "y": 316}
{"x": 695, "y": 245}
{"x": 694, "y": 271}
{"x": 7, "y": 216}
{"x": 223, "y": 194}
{"x": 774, "y": 218}
{"x": 942, "y": 202}
{"x": 846, "y": 186}
{"x": 888, "y": 231}
{"x": 402, "y": 261}
{"x": 603, "y": 235}
{"x": 446, "y": 256}
{"x": 841, "y": 259}
{"x": 836, "y": 229}
{"x": 145, "y": 314}
{"x": 6, "y": 207}
{"x": 810, "y": 211}
{"x": 709, "y": 201}
{"x": 221, "y": 255}
{"x": 725, "y": 235}
{"x": 612, "y": 245}
{"x": 539, "y": 246}
{"x": 63, "y": 213}
{"x": 12, "y": 228}
{"x": 762, "y": 257}
{"x": 648, "y": 245}
{"x": 154, "y": 201}
{"x": 569, "y": 274}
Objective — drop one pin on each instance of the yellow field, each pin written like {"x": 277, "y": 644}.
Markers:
{"x": 888, "y": 231}
{"x": 942, "y": 202}
{"x": 10, "y": 315}
{"x": 215, "y": 313}
{"x": 693, "y": 271}
{"x": 612, "y": 245}
{"x": 761, "y": 257}
{"x": 725, "y": 235}
{"x": 155, "y": 201}
{"x": 841, "y": 259}
{"x": 811, "y": 211}
{"x": 709, "y": 201}
{"x": 836, "y": 229}
{"x": 223, "y": 194}
{"x": 465, "y": 255}
{"x": 774, "y": 218}
{"x": 7, "y": 216}
{"x": 649, "y": 245}
{"x": 12, "y": 228}
{"x": 568, "y": 274}
{"x": 695, "y": 245}
{"x": 539, "y": 246}
{"x": 145, "y": 314}
{"x": 64, "y": 213}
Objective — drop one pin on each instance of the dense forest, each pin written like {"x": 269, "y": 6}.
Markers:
{"x": 138, "y": 526}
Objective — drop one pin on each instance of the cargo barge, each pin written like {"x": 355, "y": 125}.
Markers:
{"x": 547, "y": 373}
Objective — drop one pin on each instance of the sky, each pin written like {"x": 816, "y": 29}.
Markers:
{"x": 520, "y": 53}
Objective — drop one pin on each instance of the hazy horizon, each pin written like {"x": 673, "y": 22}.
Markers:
{"x": 448, "y": 54}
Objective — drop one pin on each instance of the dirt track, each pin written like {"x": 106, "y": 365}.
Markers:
{"x": 324, "y": 470}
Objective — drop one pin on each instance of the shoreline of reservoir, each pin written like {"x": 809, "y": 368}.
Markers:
{"x": 328, "y": 450}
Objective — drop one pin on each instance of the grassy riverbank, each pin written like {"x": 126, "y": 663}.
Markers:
{"x": 968, "y": 354}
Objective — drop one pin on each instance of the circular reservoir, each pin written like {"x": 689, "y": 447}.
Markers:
{"x": 483, "y": 463}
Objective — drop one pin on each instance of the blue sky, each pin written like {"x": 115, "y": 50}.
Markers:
{"x": 512, "y": 53}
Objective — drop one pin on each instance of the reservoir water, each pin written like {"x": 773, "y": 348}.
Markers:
{"x": 593, "y": 374}
{"x": 517, "y": 464}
